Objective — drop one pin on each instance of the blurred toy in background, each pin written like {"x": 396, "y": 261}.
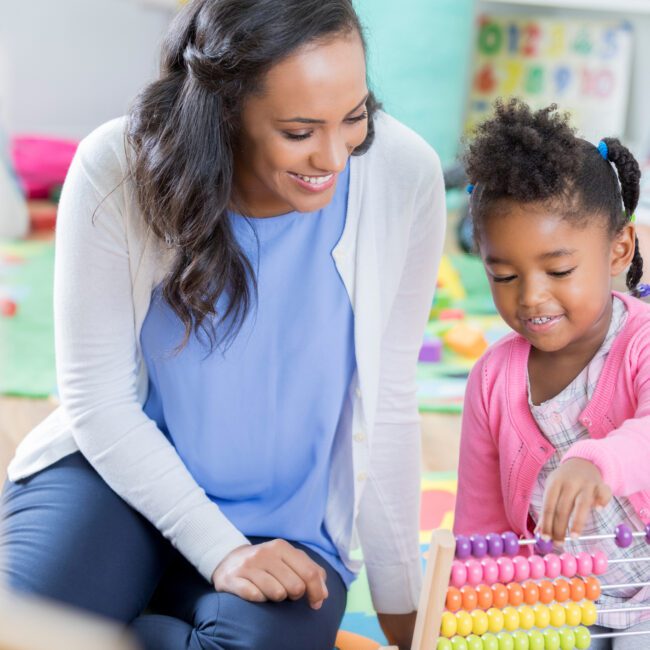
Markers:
{"x": 14, "y": 219}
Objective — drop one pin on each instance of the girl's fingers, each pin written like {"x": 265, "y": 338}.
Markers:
{"x": 563, "y": 508}
{"x": 603, "y": 495}
{"x": 582, "y": 506}
{"x": 545, "y": 526}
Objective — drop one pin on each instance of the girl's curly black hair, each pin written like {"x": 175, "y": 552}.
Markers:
{"x": 535, "y": 157}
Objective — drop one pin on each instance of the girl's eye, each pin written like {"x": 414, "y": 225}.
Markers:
{"x": 296, "y": 136}
{"x": 357, "y": 118}
{"x": 561, "y": 274}
{"x": 503, "y": 278}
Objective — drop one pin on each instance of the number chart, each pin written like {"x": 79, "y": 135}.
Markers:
{"x": 582, "y": 65}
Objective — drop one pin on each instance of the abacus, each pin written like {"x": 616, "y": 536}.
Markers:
{"x": 483, "y": 593}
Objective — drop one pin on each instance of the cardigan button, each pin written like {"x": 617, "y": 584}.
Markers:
{"x": 360, "y": 436}
{"x": 361, "y": 476}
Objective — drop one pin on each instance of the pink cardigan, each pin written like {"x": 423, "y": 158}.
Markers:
{"x": 502, "y": 450}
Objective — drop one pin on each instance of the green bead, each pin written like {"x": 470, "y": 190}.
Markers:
{"x": 551, "y": 640}
{"x": 474, "y": 642}
{"x": 583, "y": 637}
{"x": 521, "y": 641}
{"x": 458, "y": 643}
{"x": 443, "y": 644}
{"x": 490, "y": 642}
{"x": 506, "y": 642}
{"x": 535, "y": 640}
{"x": 567, "y": 638}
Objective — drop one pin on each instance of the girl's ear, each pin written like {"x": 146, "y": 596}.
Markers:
{"x": 622, "y": 249}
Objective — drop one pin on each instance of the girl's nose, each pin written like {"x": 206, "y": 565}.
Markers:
{"x": 532, "y": 293}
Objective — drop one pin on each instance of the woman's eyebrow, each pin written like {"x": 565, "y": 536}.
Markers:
{"x": 310, "y": 120}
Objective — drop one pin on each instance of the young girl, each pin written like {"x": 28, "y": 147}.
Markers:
{"x": 556, "y": 424}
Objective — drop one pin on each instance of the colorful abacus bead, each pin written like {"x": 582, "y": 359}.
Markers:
{"x": 522, "y": 568}
{"x": 458, "y": 574}
{"x": 535, "y": 640}
{"x": 480, "y": 622}
{"x": 584, "y": 563}
{"x": 598, "y": 563}
{"x": 510, "y": 543}
{"x": 567, "y": 639}
{"x": 454, "y": 599}
{"x": 479, "y": 546}
{"x": 578, "y": 589}
{"x": 463, "y": 547}
{"x": 527, "y": 617}
{"x": 562, "y": 590}
{"x": 490, "y": 570}
{"x": 490, "y": 642}
{"x": 499, "y": 595}
{"x": 464, "y": 623}
{"x": 589, "y": 613}
{"x": 542, "y": 546}
{"x": 515, "y": 594}
{"x": 531, "y": 592}
{"x": 505, "y": 641}
{"x": 474, "y": 642}
{"x": 569, "y": 565}
{"x": 495, "y": 620}
{"x": 484, "y": 596}
{"x": 537, "y": 567}
{"x": 546, "y": 592}
{"x": 583, "y": 638}
{"x": 623, "y": 536}
{"x": 558, "y": 615}
{"x": 521, "y": 641}
{"x": 448, "y": 624}
{"x": 469, "y": 598}
{"x": 553, "y": 565}
{"x": 495, "y": 544}
{"x": 458, "y": 643}
{"x": 542, "y": 616}
{"x": 510, "y": 619}
{"x": 506, "y": 569}
{"x": 592, "y": 588}
{"x": 573, "y": 614}
{"x": 551, "y": 639}
{"x": 647, "y": 533}
{"x": 474, "y": 572}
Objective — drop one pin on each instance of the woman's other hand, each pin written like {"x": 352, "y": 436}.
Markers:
{"x": 273, "y": 570}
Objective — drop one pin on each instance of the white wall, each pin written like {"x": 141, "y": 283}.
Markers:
{"x": 66, "y": 66}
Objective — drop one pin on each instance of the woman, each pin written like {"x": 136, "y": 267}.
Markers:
{"x": 242, "y": 281}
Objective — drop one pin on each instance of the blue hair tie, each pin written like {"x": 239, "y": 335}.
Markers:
{"x": 470, "y": 188}
{"x": 603, "y": 150}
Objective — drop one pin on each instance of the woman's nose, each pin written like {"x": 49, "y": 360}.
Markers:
{"x": 332, "y": 155}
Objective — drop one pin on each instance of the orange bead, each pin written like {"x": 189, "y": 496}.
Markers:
{"x": 546, "y": 592}
{"x": 578, "y": 589}
{"x": 515, "y": 594}
{"x": 469, "y": 597}
{"x": 484, "y": 596}
{"x": 454, "y": 599}
{"x": 592, "y": 588}
{"x": 531, "y": 592}
{"x": 499, "y": 595}
{"x": 562, "y": 590}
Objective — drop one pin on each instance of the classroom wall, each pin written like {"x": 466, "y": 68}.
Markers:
{"x": 66, "y": 66}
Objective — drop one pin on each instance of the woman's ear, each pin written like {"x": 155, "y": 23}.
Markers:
{"x": 622, "y": 249}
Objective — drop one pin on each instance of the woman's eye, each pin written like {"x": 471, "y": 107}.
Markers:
{"x": 357, "y": 118}
{"x": 296, "y": 136}
{"x": 503, "y": 278}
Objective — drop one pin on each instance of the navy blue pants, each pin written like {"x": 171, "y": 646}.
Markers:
{"x": 67, "y": 536}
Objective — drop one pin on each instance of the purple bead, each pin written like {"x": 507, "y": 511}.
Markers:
{"x": 495, "y": 544}
{"x": 463, "y": 547}
{"x": 510, "y": 543}
{"x": 647, "y": 533}
{"x": 543, "y": 547}
{"x": 623, "y": 536}
{"x": 479, "y": 545}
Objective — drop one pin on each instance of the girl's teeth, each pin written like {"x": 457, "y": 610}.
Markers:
{"x": 315, "y": 180}
{"x": 540, "y": 321}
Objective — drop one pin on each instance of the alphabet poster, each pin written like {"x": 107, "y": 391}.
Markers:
{"x": 582, "y": 65}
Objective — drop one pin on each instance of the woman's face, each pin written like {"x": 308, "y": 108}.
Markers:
{"x": 299, "y": 132}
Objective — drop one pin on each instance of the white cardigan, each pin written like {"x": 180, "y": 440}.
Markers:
{"x": 107, "y": 264}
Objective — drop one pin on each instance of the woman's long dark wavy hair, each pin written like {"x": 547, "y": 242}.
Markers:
{"x": 535, "y": 157}
{"x": 182, "y": 131}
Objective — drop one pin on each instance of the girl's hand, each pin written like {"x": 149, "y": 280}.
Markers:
{"x": 572, "y": 491}
{"x": 272, "y": 570}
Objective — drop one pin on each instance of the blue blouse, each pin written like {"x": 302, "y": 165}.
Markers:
{"x": 255, "y": 421}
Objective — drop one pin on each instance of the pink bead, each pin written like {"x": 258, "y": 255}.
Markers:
{"x": 553, "y": 566}
{"x": 569, "y": 565}
{"x": 585, "y": 564}
{"x": 458, "y": 574}
{"x": 522, "y": 568}
{"x": 537, "y": 567}
{"x": 490, "y": 570}
{"x": 599, "y": 563}
{"x": 474, "y": 572}
{"x": 506, "y": 570}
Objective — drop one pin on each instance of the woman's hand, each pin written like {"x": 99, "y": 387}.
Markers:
{"x": 572, "y": 491}
{"x": 398, "y": 628}
{"x": 272, "y": 570}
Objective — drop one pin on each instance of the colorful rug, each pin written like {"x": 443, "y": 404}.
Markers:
{"x": 27, "y": 337}
{"x": 437, "y": 511}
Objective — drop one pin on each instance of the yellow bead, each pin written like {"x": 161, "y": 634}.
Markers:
{"x": 588, "y": 613}
{"x": 573, "y": 614}
{"x": 479, "y": 622}
{"x": 448, "y": 625}
{"x": 527, "y": 617}
{"x": 464, "y": 623}
{"x": 542, "y": 616}
{"x": 558, "y": 615}
{"x": 510, "y": 619}
{"x": 495, "y": 620}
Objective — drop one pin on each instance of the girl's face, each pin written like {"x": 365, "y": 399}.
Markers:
{"x": 298, "y": 134}
{"x": 551, "y": 278}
